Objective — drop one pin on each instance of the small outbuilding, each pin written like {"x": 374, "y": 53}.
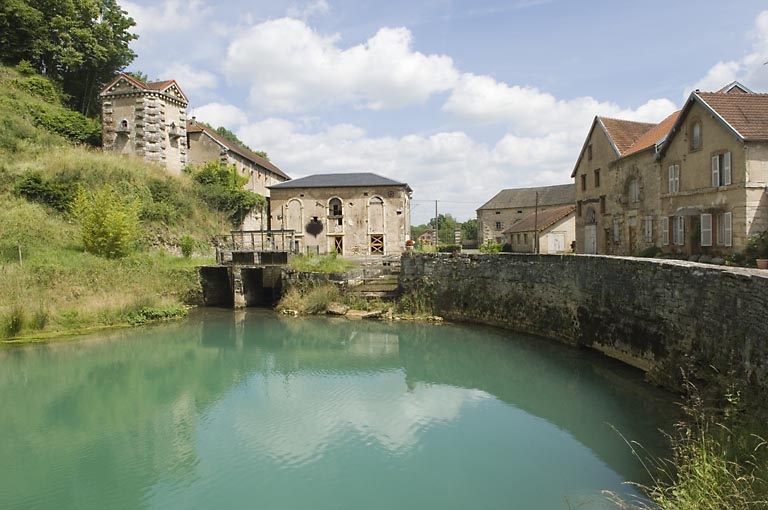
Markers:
{"x": 548, "y": 231}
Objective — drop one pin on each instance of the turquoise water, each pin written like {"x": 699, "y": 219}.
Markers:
{"x": 251, "y": 410}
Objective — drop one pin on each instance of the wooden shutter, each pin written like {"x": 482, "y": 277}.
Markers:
{"x": 664, "y": 230}
{"x": 715, "y": 171}
{"x": 728, "y": 228}
{"x": 726, "y": 168}
{"x": 706, "y": 230}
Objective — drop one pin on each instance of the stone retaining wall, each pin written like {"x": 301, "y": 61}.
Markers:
{"x": 658, "y": 315}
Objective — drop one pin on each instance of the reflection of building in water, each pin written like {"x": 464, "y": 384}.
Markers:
{"x": 373, "y": 343}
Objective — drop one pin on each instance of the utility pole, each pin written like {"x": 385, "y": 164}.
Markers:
{"x": 437, "y": 227}
{"x": 536, "y": 225}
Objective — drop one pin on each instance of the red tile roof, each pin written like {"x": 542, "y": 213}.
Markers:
{"x": 653, "y": 135}
{"x": 196, "y": 127}
{"x": 624, "y": 133}
{"x": 541, "y": 221}
{"x": 746, "y": 114}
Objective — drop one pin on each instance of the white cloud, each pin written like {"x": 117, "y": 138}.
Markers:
{"x": 167, "y": 16}
{"x": 218, "y": 114}
{"x": 749, "y": 70}
{"x": 529, "y": 111}
{"x": 289, "y": 67}
{"x": 308, "y": 10}
{"x": 192, "y": 81}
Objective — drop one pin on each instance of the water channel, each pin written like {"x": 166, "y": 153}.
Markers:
{"x": 253, "y": 410}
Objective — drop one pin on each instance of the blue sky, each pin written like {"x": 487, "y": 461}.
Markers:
{"x": 459, "y": 99}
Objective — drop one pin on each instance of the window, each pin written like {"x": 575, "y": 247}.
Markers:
{"x": 725, "y": 229}
{"x": 589, "y": 152}
{"x": 334, "y": 207}
{"x": 377, "y": 244}
{"x": 648, "y": 229}
{"x": 678, "y": 230}
{"x": 616, "y": 230}
{"x": 674, "y": 178}
{"x": 634, "y": 191}
{"x": 499, "y": 225}
{"x": 664, "y": 230}
{"x": 578, "y": 208}
{"x": 602, "y": 204}
{"x": 583, "y": 182}
{"x": 597, "y": 178}
{"x": 721, "y": 169}
{"x": 696, "y": 136}
{"x": 706, "y": 230}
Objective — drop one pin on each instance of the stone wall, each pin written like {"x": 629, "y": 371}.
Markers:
{"x": 658, "y": 315}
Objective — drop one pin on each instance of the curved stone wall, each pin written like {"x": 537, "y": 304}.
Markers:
{"x": 662, "y": 316}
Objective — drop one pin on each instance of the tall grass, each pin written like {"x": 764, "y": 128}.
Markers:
{"x": 717, "y": 463}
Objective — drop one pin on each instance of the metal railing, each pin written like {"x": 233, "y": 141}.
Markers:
{"x": 259, "y": 240}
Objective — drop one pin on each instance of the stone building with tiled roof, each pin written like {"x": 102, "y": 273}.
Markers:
{"x": 356, "y": 214}
{"x": 549, "y": 231}
{"x": 693, "y": 185}
{"x": 509, "y": 206}
{"x": 146, "y": 120}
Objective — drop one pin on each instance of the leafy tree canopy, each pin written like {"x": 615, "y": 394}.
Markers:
{"x": 81, "y": 44}
{"x": 232, "y": 137}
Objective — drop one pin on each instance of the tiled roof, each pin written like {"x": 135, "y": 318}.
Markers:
{"x": 654, "y": 135}
{"x": 195, "y": 127}
{"x": 353, "y": 180}
{"x": 541, "y": 221}
{"x": 624, "y": 133}
{"x": 526, "y": 197}
{"x": 747, "y": 114}
{"x": 158, "y": 86}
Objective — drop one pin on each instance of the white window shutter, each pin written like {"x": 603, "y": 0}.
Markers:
{"x": 671, "y": 179}
{"x": 726, "y": 168}
{"x": 706, "y": 230}
{"x": 715, "y": 171}
{"x": 728, "y": 218}
{"x": 665, "y": 230}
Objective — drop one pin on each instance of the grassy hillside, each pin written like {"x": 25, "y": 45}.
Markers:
{"x": 49, "y": 282}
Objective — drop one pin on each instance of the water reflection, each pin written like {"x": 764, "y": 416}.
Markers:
{"x": 225, "y": 406}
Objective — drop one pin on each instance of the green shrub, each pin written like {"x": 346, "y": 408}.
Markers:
{"x": 490, "y": 247}
{"x": 72, "y": 125}
{"x": 25, "y": 68}
{"x": 109, "y": 222}
{"x": 757, "y": 247}
{"x": 147, "y": 314}
{"x": 220, "y": 186}
{"x": 39, "y": 87}
{"x": 14, "y": 322}
{"x": 34, "y": 188}
{"x": 650, "y": 252}
{"x": 449, "y": 248}
{"x": 187, "y": 245}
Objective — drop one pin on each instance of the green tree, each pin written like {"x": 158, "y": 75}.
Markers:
{"x": 109, "y": 221}
{"x": 469, "y": 230}
{"x": 447, "y": 226}
{"x": 79, "y": 43}
{"x": 232, "y": 137}
{"x": 221, "y": 187}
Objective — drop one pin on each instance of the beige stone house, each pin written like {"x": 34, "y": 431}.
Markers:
{"x": 355, "y": 214}
{"x": 714, "y": 173}
{"x": 512, "y": 205}
{"x": 149, "y": 120}
{"x": 205, "y": 144}
{"x": 692, "y": 185}
{"x": 617, "y": 186}
{"x": 146, "y": 120}
{"x": 549, "y": 231}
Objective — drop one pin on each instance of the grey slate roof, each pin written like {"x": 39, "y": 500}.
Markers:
{"x": 355, "y": 180}
{"x": 562, "y": 194}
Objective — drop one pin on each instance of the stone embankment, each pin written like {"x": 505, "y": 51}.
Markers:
{"x": 662, "y": 316}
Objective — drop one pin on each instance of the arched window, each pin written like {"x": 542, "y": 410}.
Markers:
{"x": 376, "y": 215}
{"x": 696, "y": 136}
{"x": 334, "y": 208}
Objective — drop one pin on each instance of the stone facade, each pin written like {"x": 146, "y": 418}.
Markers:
{"x": 660, "y": 316}
{"x": 693, "y": 185}
{"x": 205, "y": 144}
{"x": 512, "y": 205}
{"x": 348, "y": 214}
{"x": 147, "y": 120}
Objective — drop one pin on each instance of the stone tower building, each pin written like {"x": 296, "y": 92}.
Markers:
{"x": 148, "y": 120}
